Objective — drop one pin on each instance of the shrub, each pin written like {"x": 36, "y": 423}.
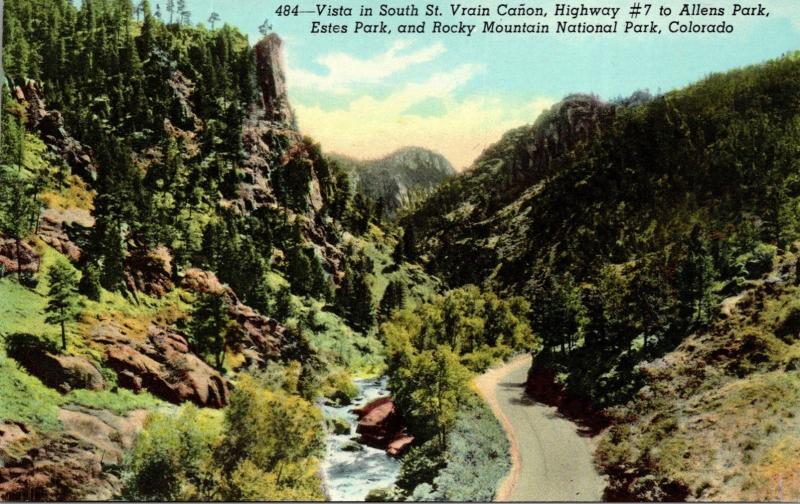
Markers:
{"x": 172, "y": 459}
{"x": 339, "y": 387}
{"x": 420, "y": 465}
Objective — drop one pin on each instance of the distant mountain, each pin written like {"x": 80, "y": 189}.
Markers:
{"x": 400, "y": 178}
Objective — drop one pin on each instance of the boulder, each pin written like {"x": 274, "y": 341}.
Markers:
{"x": 61, "y": 372}
{"x": 382, "y": 426}
{"x": 163, "y": 365}
{"x": 203, "y": 282}
{"x": 69, "y": 465}
{"x": 399, "y": 445}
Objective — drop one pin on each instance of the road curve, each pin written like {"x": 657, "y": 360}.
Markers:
{"x": 551, "y": 461}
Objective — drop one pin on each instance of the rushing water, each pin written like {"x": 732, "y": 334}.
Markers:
{"x": 352, "y": 470}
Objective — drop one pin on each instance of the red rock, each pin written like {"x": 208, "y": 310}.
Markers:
{"x": 16, "y": 257}
{"x": 258, "y": 337}
{"x": 68, "y": 465}
{"x": 399, "y": 445}
{"x": 62, "y": 372}
{"x": 164, "y": 365}
{"x": 381, "y": 426}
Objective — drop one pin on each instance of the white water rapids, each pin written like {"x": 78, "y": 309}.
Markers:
{"x": 352, "y": 470}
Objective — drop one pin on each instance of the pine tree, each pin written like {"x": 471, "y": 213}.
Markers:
{"x": 409, "y": 244}
{"x": 696, "y": 277}
{"x": 63, "y": 303}
{"x": 170, "y": 5}
{"x": 213, "y": 19}
{"x": 18, "y": 207}
{"x": 394, "y": 298}
{"x": 209, "y": 327}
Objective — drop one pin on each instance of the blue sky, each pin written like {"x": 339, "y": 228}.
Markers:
{"x": 366, "y": 95}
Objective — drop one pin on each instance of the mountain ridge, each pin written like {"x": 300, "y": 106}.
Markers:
{"x": 399, "y": 179}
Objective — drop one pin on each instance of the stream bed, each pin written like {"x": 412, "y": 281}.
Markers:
{"x": 352, "y": 470}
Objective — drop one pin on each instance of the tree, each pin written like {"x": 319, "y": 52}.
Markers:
{"x": 173, "y": 459}
{"x": 63, "y": 303}
{"x": 434, "y": 386}
{"x": 265, "y": 28}
{"x": 409, "y": 244}
{"x": 354, "y": 296}
{"x": 183, "y": 13}
{"x": 393, "y": 298}
{"x": 270, "y": 429}
{"x": 213, "y": 18}
{"x": 18, "y": 207}
{"x": 209, "y": 327}
{"x": 170, "y": 5}
{"x": 696, "y": 277}
{"x": 139, "y": 9}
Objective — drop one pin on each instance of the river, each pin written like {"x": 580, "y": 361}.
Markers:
{"x": 352, "y": 470}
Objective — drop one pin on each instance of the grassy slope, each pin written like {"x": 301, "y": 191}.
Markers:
{"x": 718, "y": 418}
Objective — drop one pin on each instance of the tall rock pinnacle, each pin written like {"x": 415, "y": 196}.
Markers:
{"x": 272, "y": 81}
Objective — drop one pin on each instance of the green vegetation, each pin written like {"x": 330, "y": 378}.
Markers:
{"x": 209, "y": 327}
{"x": 624, "y": 238}
{"x": 717, "y": 421}
{"x": 432, "y": 351}
{"x": 62, "y": 306}
{"x": 600, "y": 252}
{"x": 475, "y": 462}
{"x": 264, "y": 449}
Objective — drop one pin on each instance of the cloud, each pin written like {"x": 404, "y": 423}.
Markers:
{"x": 345, "y": 70}
{"x": 369, "y": 127}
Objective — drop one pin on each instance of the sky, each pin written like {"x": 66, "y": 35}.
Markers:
{"x": 367, "y": 95}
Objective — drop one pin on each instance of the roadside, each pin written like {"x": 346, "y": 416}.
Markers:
{"x": 551, "y": 461}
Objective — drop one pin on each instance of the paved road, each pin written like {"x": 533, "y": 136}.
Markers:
{"x": 551, "y": 460}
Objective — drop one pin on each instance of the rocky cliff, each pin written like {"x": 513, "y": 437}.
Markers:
{"x": 272, "y": 82}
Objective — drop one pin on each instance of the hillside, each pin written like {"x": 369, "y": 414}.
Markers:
{"x": 177, "y": 263}
{"x": 626, "y": 224}
{"x": 398, "y": 180}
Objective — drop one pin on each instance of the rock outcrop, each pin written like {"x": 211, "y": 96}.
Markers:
{"x": 382, "y": 426}
{"x": 272, "y": 81}
{"x": 62, "y": 372}
{"x": 163, "y": 365}
{"x": 271, "y": 143}
{"x": 150, "y": 271}
{"x": 17, "y": 257}
{"x": 63, "y": 229}
{"x": 50, "y": 127}
{"x": 258, "y": 337}
{"x": 182, "y": 90}
{"x": 77, "y": 464}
